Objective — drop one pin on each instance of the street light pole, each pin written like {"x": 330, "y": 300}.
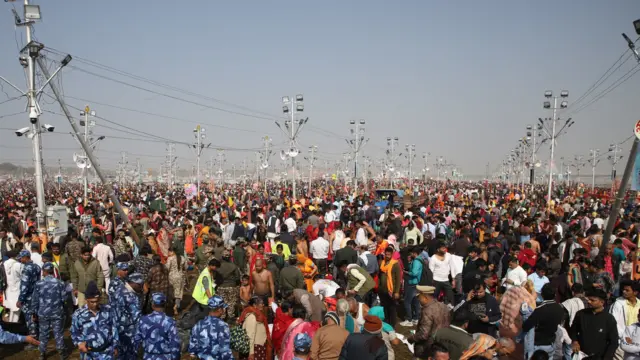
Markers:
{"x": 594, "y": 162}
{"x": 547, "y": 105}
{"x": 293, "y": 105}
{"x": 411, "y": 153}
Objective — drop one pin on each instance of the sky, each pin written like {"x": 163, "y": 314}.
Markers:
{"x": 459, "y": 79}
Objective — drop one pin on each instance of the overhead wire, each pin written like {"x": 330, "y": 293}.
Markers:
{"x": 621, "y": 80}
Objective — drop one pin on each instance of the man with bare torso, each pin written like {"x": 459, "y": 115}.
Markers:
{"x": 302, "y": 247}
{"x": 262, "y": 282}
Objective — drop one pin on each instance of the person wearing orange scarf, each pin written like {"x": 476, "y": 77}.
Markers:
{"x": 390, "y": 278}
{"x": 254, "y": 322}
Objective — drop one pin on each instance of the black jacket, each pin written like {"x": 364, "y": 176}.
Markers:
{"x": 362, "y": 346}
{"x": 347, "y": 254}
{"x": 597, "y": 333}
{"x": 545, "y": 319}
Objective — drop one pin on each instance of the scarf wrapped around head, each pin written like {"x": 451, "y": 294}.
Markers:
{"x": 480, "y": 345}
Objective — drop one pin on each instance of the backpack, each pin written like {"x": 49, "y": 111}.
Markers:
{"x": 426, "y": 278}
{"x": 239, "y": 340}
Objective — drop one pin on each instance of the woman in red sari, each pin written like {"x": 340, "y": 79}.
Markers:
{"x": 281, "y": 323}
{"x": 297, "y": 326}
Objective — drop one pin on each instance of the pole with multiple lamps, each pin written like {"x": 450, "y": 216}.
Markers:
{"x": 292, "y": 105}
{"x": 547, "y": 105}
{"x": 392, "y": 144}
{"x": 356, "y": 144}
{"x": 28, "y": 57}
{"x": 264, "y": 157}
{"x": 411, "y": 154}
{"x": 594, "y": 162}
{"x": 198, "y": 146}
{"x": 311, "y": 159}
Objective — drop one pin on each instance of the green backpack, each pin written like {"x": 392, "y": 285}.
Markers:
{"x": 239, "y": 340}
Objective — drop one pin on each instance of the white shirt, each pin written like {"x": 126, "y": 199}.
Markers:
{"x": 103, "y": 254}
{"x": 37, "y": 259}
{"x": 599, "y": 222}
{"x": 291, "y": 225}
{"x": 631, "y": 350}
{"x": 517, "y": 275}
{"x": 326, "y": 287}
{"x": 441, "y": 268}
{"x": 319, "y": 248}
{"x": 361, "y": 237}
{"x": 329, "y": 217}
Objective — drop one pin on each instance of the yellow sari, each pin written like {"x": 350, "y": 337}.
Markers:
{"x": 308, "y": 269}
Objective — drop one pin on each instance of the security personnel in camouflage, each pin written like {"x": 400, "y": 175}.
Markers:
{"x": 30, "y": 276}
{"x": 117, "y": 282}
{"x": 93, "y": 328}
{"x": 127, "y": 311}
{"x": 48, "y": 304}
{"x": 210, "y": 338}
{"x": 158, "y": 333}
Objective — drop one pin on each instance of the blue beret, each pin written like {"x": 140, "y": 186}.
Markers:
{"x": 47, "y": 266}
{"x": 216, "y": 302}
{"x": 136, "y": 278}
{"x": 158, "y": 299}
{"x": 302, "y": 342}
{"x": 122, "y": 266}
{"x": 92, "y": 290}
{"x": 24, "y": 253}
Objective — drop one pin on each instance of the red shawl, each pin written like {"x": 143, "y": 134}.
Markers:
{"x": 260, "y": 317}
{"x": 281, "y": 323}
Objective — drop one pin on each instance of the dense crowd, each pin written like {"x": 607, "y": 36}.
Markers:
{"x": 454, "y": 270}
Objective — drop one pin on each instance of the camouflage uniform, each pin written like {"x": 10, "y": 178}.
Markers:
{"x": 48, "y": 304}
{"x": 210, "y": 337}
{"x": 114, "y": 287}
{"x": 158, "y": 335}
{"x": 98, "y": 331}
{"x": 10, "y": 338}
{"x": 127, "y": 312}
{"x": 30, "y": 276}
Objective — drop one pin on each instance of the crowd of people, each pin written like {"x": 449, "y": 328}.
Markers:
{"x": 458, "y": 271}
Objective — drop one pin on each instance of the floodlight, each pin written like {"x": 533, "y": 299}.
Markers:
{"x": 564, "y": 93}
{"x": 528, "y": 127}
{"x": 352, "y": 122}
{"x": 32, "y": 12}
{"x": 66, "y": 60}
{"x": 299, "y": 108}
{"x": 285, "y": 99}
{"x": 361, "y": 122}
{"x": 285, "y": 109}
{"x": 299, "y": 98}
{"x": 48, "y": 127}
{"x": 34, "y": 49}
{"x": 564, "y": 104}
{"x": 636, "y": 25}
{"x": 388, "y": 139}
{"x": 548, "y": 94}
{"x": 547, "y": 105}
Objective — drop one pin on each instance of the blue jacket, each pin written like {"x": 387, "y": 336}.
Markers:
{"x": 415, "y": 272}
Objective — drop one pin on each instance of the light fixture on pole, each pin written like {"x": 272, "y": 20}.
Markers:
{"x": 311, "y": 159}
{"x": 356, "y": 144}
{"x": 293, "y": 105}
{"x": 547, "y": 105}
{"x": 411, "y": 154}
{"x": 264, "y": 156}
{"x": 392, "y": 145}
{"x": 199, "y": 134}
{"x": 594, "y": 162}
{"x": 27, "y": 59}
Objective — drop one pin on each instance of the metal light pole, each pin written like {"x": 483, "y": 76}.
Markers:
{"x": 425, "y": 156}
{"x": 392, "y": 144}
{"x": 615, "y": 149}
{"x": 221, "y": 166}
{"x": 594, "y": 161}
{"x": 411, "y": 153}
{"x": 547, "y": 105}
{"x": 87, "y": 125}
{"x": 265, "y": 158}
{"x": 198, "y": 146}
{"x": 293, "y": 105}
{"x": 356, "y": 144}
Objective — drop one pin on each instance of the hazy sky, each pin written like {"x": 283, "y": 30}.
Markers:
{"x": 460, "y": 79}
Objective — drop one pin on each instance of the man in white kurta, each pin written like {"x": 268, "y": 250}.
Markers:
{"x": 13, "y": 269}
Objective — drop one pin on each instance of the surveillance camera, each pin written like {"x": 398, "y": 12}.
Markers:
{"x": 48, "y": 127}
{"x": 33, "y": 115}
{"x": 22, "y": 131}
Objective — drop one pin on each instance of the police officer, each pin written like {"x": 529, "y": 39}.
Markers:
{"x": 118, "y": 282}
{"x": 158, "y": 333}
{"x": 11, "y": 338}
{"x": 210, "y": 338}
{"x": 30, "y": 276}
{"x": 127, "y": 309}
{"x": 93, "y": 327}
{"x": 48, "y": 305}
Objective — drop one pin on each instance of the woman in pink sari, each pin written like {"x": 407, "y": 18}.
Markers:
{"x": 298, "y": 326}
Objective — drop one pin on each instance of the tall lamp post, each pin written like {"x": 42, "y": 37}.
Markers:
{"x": 547, "y": 105}
{"x": 356, "y": 144}
{"x": 293, "y": 105}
